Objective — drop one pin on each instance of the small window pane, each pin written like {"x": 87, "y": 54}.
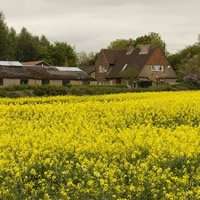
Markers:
{"x": 66, "y": 82}
{"x": 102, "y": 69}
{"x": 45, "y": 82}
{"x": 124, "y": 68}
{"x": 1, "y": 81}
{"x": 157, "y": 68}
{"x": 24, "y": 82}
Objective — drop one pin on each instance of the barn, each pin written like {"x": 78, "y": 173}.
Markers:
{"x": 14, "y": 74}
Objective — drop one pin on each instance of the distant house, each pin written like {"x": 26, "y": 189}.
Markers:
{"x": 13, "y": 74}
{"x": 36, "y": 63}
{"x": 142, "y": 66}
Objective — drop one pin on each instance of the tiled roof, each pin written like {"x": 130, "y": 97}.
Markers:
{"x": 88, "y": 69}
{"x": 112, "y": 56}
{"x": 40, "y": 73}
{"x": 134, "y": 59}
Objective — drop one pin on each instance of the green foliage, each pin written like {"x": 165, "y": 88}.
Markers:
{"x": 25, "y": 47}
{"x": 12, "y": 45}
{"x": 186, "y": 61}
{"x": 182, "y": 57}
{"x": 85, "y": 59}
{"x": 82, "y": 90}
{"x": 190, "y": 70}
{"x": 153, "y": 39}
{"x": 47, "y": 90}
{"x": 121, "y": 44}
{"x": 62, "y": 54}
{"x": 3, "y": 38}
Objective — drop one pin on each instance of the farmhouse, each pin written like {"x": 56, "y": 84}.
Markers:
{"x": 14, "y": 73}
{"x": 144, "y": 66}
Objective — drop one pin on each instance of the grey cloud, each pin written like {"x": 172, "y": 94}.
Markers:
{"x": 92, "y": 24}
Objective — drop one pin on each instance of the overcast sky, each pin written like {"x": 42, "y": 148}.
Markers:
{"x": 91, "y": 24}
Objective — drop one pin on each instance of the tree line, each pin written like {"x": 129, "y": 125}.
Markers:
{"x": 27, "y": 47}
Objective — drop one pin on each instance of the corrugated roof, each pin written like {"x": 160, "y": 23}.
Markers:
{"x": 41, "y": 73}
{"x": 68, "y": 69}
{"x": 10, "y": 63}
{"x": 37, "y": 62}
{"x": 56, "y": 73}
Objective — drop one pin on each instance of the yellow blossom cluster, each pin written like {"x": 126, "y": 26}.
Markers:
{"x": 120, "y": 147}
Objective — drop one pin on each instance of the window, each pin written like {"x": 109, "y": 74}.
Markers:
{"x": 1, "y": 81}
{"x": 23, "y": 82}
{"x": 118, "y": 81}
{"x": 157, "y": 68}
{"x": 66, "y": 82}
{"x": 124, "y": 68}
{"x": 45, "y": 82}
{"x": 102, "y": 69}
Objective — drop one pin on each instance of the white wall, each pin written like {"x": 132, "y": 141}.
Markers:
{"x": 10, "y": 82}
{"x": 76, "y": 82}
{"x": 55, "y": 82}
{"x": 33, "y": 82}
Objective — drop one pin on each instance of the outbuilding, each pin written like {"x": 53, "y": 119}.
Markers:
{"x": 14, "y": 74}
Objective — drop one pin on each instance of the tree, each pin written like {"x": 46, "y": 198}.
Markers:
{"x": 12, "y": 44}
{"x": 154, "y": 39}
{"x": 85, "y": 59}
{"x": 121, "y": 44}
{"x": 44, "y": 49}
{"x": 27, "y": 46}
{"x": 62, "y": 54}
{"x": 177, "y": 60}
{"x": 3, "y": 38}
{"x": 190, "y": 71}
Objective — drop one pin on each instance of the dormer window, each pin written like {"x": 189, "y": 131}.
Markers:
{"x": 102, "y": 69}
{"x": 157, "y": 68}
{"x": 130, "y": 51}
{"x": 124, "y": 68}
{"x": 24, "y": 81}
{"x": 1, "y": 81}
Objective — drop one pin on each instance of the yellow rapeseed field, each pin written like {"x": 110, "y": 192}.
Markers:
{"x": 124, "y": 146}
